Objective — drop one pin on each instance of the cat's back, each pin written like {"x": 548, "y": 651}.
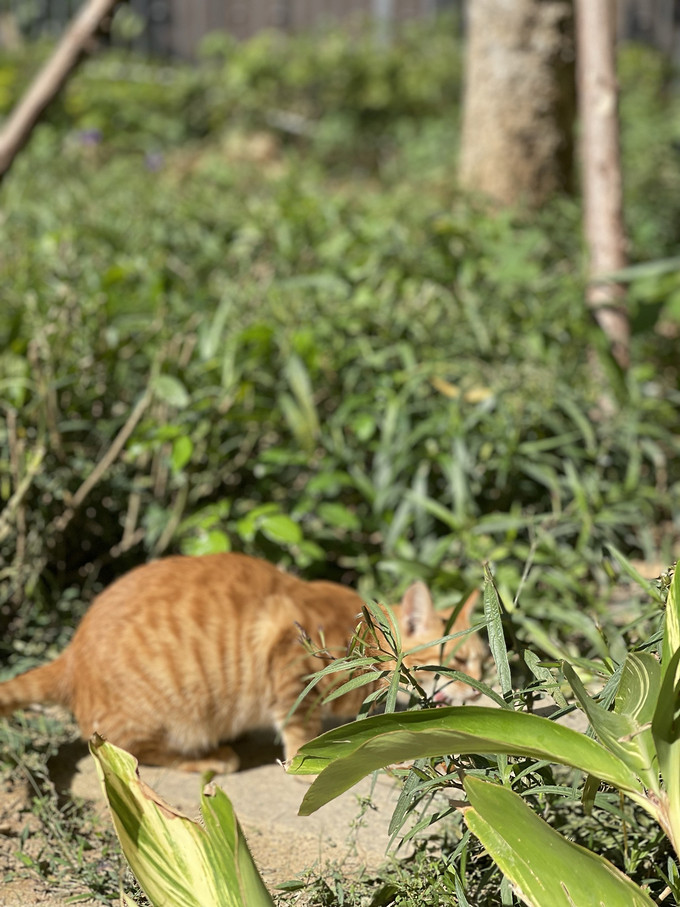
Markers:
{"x": 179, "y": 598}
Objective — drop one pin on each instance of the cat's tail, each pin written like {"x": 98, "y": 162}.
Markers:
{"x": 47, "y": 684}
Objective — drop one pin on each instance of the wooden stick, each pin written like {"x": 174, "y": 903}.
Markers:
{"x": 109, "y": 457}
{"x": 50, "y": 79}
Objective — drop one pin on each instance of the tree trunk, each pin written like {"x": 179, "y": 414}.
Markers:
{"x": 601, "y": 170}
{"x": 519, "y": 102}
{"x": 50, "y": 79}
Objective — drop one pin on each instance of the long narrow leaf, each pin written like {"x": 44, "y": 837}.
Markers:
{"x": 544, "y": 868}
{"x": 666, "y": 723}
{"x": 492, "y": 613}
{"x": 343, "y": 756}
{"x": 635, "y": 574}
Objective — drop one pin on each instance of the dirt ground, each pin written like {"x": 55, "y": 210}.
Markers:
{"x": 266, "y": 801}
{"x": 347, "y": 832}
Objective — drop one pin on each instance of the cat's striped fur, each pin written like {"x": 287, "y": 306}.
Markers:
{"x": 184, "y": 653}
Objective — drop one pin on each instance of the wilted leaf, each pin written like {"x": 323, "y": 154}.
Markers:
{"x": 177, "y": 861}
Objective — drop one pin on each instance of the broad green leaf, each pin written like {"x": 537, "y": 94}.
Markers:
{"x": 626, "y": 731}
{"x": 182, "y": 449}
{"x": 248, "y": 525}
{"x": 666, "y": 723}
{"x": 280, "y": 528}
{"x": 343, "y": 756}
{"x": 666, "y": 733}
{"x": 171, "y": 390}
{"x": 671, "y": 637}
{"x": 639, "y": 687}
{"x": 545, "y": 869}
{"x": 213, "y": 542}
{"x": 176, "y": 860}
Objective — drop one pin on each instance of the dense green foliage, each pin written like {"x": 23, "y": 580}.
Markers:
{"x": 324, "y": 354}
{"x": 369, "y": 378}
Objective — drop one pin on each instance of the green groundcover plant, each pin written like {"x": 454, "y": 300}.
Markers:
{"x": 634, "y": 749}
{"x": 245, "y": 306}
{"x": 374, "y": 379}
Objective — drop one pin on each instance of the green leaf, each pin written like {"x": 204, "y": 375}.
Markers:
{"x": 176, "y": 860}
{"x": 544, "y": 675}
{"x": 626, "y": 731}
{"x": 494, "y": 623}
{"x": 363, "y": 425}
{"x": 666, "y": 733}
{"x": 213, "y": 542}
{"x": 671, "y": 636}
{"x": 301, "y": 415}
{"x": 182, "y": 450}
{"x": 170, "y": 390}
{"x": 544, "y": 868}
{"x": 635, "y": 574}
{"x": 343, "y": 756}
{"x": 666, "y": 720}
{"x": 338, "y": 516}
{"x": 281, "y": 529}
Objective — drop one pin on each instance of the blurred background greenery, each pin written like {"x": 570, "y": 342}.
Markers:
{"x": 345, "y": 364}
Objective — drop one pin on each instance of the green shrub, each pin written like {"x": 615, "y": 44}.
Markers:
{"x": 495, "y": 765}
{"x": 370, "y": 379}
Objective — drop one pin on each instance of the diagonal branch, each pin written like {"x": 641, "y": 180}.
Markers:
{"x": 50, "y": 79}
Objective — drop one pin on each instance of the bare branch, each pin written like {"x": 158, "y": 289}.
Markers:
{"x": 50, "y": 79}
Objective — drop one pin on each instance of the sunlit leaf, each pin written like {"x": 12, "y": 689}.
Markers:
{"x": 178, "y": 861}
{"x": 281, "y": 529}
{"x": 182, "y": 449}
{"x": 626, "y": 731}
{"x": 544, "y": 868}
{"x": 343, "y": 756}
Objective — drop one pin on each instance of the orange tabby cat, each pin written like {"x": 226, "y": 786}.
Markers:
{"x": 186, "y": 652}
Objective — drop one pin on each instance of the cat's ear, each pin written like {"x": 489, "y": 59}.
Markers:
{"x": 416, "y": 609}
{"x": 463, "y": 620}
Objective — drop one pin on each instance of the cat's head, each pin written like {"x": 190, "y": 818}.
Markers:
{"x": 419, "y": 624}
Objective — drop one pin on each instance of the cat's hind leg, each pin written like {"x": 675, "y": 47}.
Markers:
{"x": 221, "y": 760}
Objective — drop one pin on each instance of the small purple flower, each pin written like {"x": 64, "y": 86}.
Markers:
{"x": 154, "y": 160}
{"x": 90, "y": 137}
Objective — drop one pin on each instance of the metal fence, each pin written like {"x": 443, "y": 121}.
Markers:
{"x": 173, "y": 28}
